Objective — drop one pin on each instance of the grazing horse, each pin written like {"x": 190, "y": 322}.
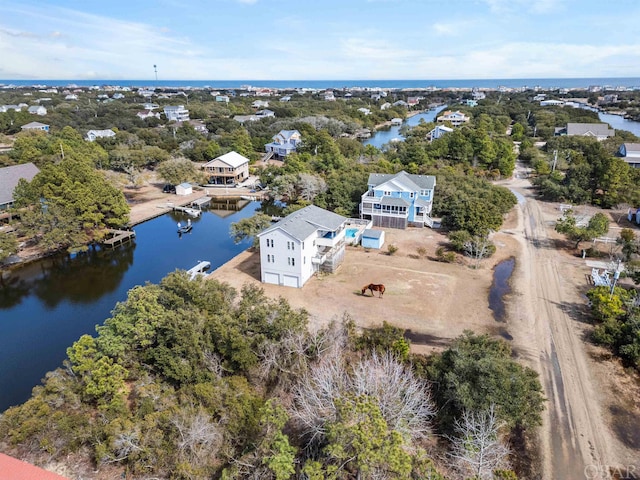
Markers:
{"x": 374, "y": 287}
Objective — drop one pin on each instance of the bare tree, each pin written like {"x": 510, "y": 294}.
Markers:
{"x": 310, "y": 185}
{"x": 477, "y": 450}
{"x": 404, "y": 400}
{"x": 477, "y": 248}
{"x": 198, "y": 436}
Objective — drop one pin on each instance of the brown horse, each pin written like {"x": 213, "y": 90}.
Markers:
{"x": 374, "y": 287}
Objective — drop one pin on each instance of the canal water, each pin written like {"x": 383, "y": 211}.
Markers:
{"x": 47, "y": 305}
{"x": 381, "y": 137}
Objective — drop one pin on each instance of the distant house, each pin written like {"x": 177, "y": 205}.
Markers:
{"x": 9, "y": 177}
{"x": 71, "y": 96}
{"x": 118, "y": 96}
{"x": 14, "y": 469}
{"x": 37, "y": 110}
{"x": 246, "y": 118}
{"x": 35, "y": 126}
{"x": 286, "y": 98}
{"x": 396, "y": 121}
{"x": 199, "y": 126}
{"x": 150, "y": 106}
{"x": 176, "y": 113}
{"x": 400, "y": 103}
{"x": 630, "y": 153}
{"x": 147, "y": 114}
{"x": 413, "y": 101}
{"x": 307, "y": 241}
{"x": 385, "y": 106}
{"x": 551, "y": 103}
{"x": 600, "y": 131}
{"x": 284, "y": 143}
{"x": 470, "y": 103}
{"x": 228, "y": 169}
{"x": 456, "y": 118}
{"x": 6, "y": 108}
{"x": 398, "y": 200}
{"x": 222, "y": 98}
{"x": 93, "y": 134}
{"x": 329, "y": 96}
{"x": 265, "y": 113}
{"x": 364, "y": 111}
{"x": 184, "y": 189}
{"x": 438, "y": 132}
{"x": 260, "y": 104}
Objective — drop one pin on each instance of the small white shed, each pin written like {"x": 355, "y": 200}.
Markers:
{"x": 184, "y": 189}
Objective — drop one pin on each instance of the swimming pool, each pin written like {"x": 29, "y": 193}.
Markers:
{"x": 351, "y": 233}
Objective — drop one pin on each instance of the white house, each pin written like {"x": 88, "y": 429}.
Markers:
{"x": 260, "y": 104}
{"x": 93, "y": 134}
{"x": 284, "y": 143}
{"x": 150, "y": 106}
{"x": 176, "y": 113}
{"x": 286, "y": 98}
{"x": 71, "y": 96}
{"x": 37, "y": 110}
{"x": 265, "y": 113}
{"x": 148, "y": 114}
{"x": 222, "y": 98}
{"x": 456, "y": 118}
{"x": 35, "y": 126}
{"x": 118, "y": 96}
{"x": 228, "y": 169}
{"x": 551, "y": 103}
{"x": 470, "y": 103}
{"x": 396, "y": 121}
{"x": 438, "y": 132}
{"x": 398, "y": 200}
{"x": 364, "y": 111}
{"x": 184, "y": 189}
{"x": 307, "y": 241}
{"x": 329, "y": 96}
{"x": 385, "y": 106}
{"x": 630, "y": 153}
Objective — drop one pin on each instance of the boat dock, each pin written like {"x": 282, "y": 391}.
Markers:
{"x": 188, "y": 210}
{"x": 198, "y": 203}
{"x": 198, "y": 270}
{"x": 117, "y": 237}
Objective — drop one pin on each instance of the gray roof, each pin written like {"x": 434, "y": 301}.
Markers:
{"x": 597, "y": 129}
{"x": 9, "y": 177}
{"x": 302, "y": 223}
{"x": 371, "y": 233}
{"x": 632, "y": 147}
{"x": 398, "y": 202}
{"x": 407, "y": 180}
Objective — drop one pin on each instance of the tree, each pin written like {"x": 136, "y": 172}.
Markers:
{"x": 177, "y": 171}
{"x": 8, "y": 245}
{"x": 478, "y": 247}
{"x": 598, "y": 225}
{"x": 629, "y": 243}
{"x": 250, "y": 227}
{"x": 476, "y": 449}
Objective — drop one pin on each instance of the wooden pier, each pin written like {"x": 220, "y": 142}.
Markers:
{"x": 201, "y": 202}
{"x": 188, "y": 210}
{"x": 117, "y": 237}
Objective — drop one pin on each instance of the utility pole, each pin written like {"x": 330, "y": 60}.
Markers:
{"x": 155, "y": 69}
{"x": 555, "y": 160}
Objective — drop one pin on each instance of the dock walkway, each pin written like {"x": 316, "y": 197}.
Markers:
{"x": 118, "y": 237}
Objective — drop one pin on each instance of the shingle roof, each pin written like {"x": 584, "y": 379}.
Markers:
{"x": 370, "y": 233}
{"x": 393, "y": 201}
{"x": 14, "y": 469}
{"x": 632, "y": 147}
{"x": 233, "y": 159}
{"x": 407, "y": 180}
{"x": 599, "y": 129}
{"x": 34, "y": 125}
{"x": 302, "y": 223}
{"x": 9, "y": 177}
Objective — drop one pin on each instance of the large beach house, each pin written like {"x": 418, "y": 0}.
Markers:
{"x": 284, "y": 143}
{"x": 398, "y": 200}
{"x": 307, "y": 241}
{"x": 228, "y": 169}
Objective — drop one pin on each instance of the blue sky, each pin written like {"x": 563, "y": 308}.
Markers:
{"x": 319, "y": 39}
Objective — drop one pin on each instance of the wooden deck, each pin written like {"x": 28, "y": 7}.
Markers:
{"x": 118, "y": 237}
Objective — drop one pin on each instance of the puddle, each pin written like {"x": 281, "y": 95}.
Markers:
{"x": 500, "y": 287}
{"x": 625, "y": 425}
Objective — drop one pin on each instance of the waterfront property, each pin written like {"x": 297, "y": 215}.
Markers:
{"x": 630, "y": 153}
{"x": 398, "y": 200}
{"x": 228, "y": 169}
{"x": 600, "y": 131}
{"x": 284, "y": 143}
{"x": 438, "y": 131}
{"x": 306, "y": 241}
{"x": 184, "y": 189}
{"x": 456, "y": 118}
{"x": 9, "y": 178}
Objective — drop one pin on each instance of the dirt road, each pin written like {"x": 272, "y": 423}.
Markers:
{"x": 576, "y": 440}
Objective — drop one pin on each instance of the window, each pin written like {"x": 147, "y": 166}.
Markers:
{"x": 411, "y": 195}
{"x": 293, "y": 245}
{"x": 304, "y": 260}
{"x": 288, "y": 245}
{"x": 293, "y": 262}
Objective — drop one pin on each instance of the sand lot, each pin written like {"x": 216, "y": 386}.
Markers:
{"x": 436, "y": 301}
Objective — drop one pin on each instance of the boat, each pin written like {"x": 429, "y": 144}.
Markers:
{"x": 184, "y": 228}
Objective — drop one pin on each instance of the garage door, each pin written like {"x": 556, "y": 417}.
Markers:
{"x": 272, "y": 278}
{"x": 290, "y": 281}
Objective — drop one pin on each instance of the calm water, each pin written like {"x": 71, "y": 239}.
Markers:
{"x": 379, "y": 138}
{"x": 620, "y": 123}
{"x": 46, "y": 306}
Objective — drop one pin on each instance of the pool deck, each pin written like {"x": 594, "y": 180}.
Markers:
{"x": 359, "y": 225}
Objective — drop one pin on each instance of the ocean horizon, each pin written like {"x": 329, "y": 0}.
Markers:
{"x": 543, "y": 83}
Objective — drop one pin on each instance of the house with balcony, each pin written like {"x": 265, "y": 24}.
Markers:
{"x": 456, "y": 118}
{"x": 398, "y": 200}
{"x": 229, "y": 169}
{"x": 303, "y": 243}
{"x": 284, "y": 143}
{"x": 176, "y": 113}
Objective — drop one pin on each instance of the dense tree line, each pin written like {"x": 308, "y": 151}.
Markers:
{"x": 191, "y": 379}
